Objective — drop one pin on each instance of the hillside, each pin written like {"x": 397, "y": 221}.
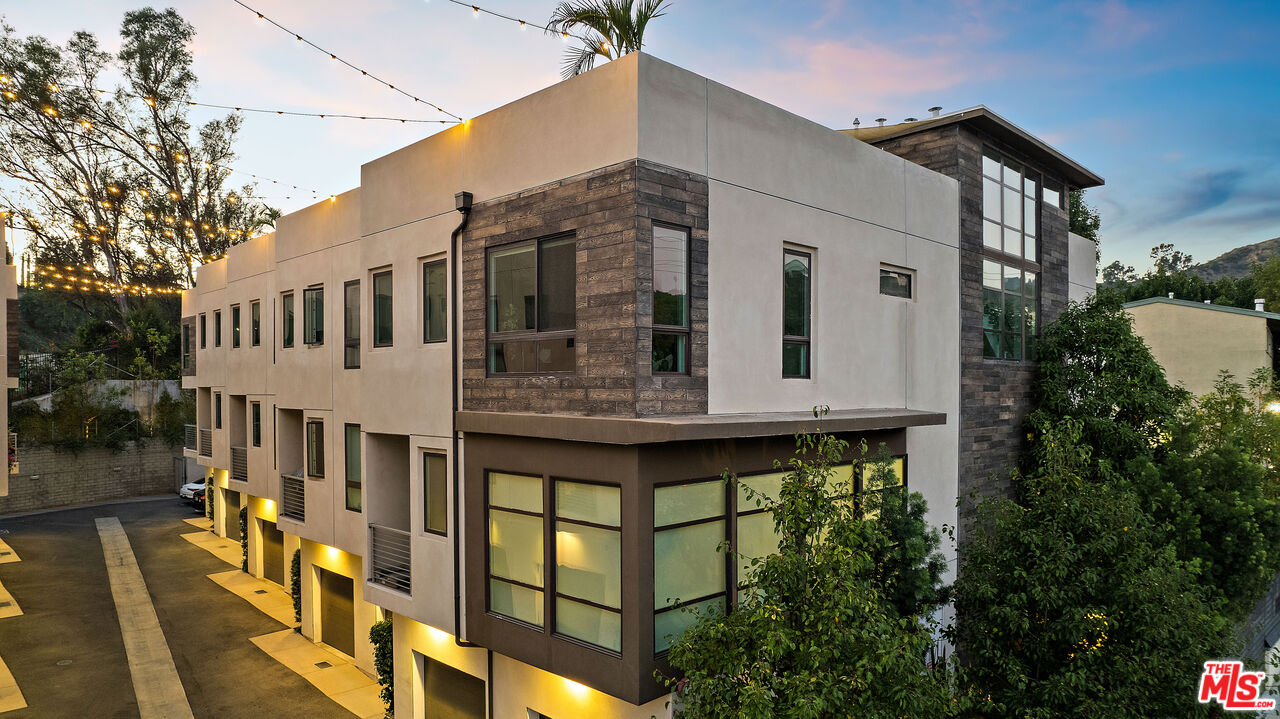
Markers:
{"x": 1238, "y": 262}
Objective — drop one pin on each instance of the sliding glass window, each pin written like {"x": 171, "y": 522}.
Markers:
{"x": 516, "y": 555}
{"x": 531, "y": 315}
{"x": 588, "y": 581}
{"x": 688, "y": 568}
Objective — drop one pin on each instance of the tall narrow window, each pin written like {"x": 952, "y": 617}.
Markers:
{"x": 435, "y": 313}
{"x": 217, "y": 410}
{"x": 255, "y": 423}
{"x": 313, "y": 316}
{"x": 1009, "y": 206}
{"x": 435, "y": 499}
{"x": 186, "y": 345}
{"x": 757, "y": 535}
{"x": 351, "y": 448}
{"x": 217, "y": 328}
{"x": 1009, "y": 304}
{"x": 351, "y": 324}
{"x": 203, "y": 335}
{"x": 796, "y": 292}
{"x": 315, "y": 448}
{"x": 235, "y": 326}
{"x": 670, "y": 299}
{"x": 588, "y": 582}
{"x": 255, "y": 323}
{"x": 383, "y": 326}
{"x": 286, "y": 319}
{"x": 515, "y": 546}
{"x": 688, "y": 568}
{"x": 531, "y": 319}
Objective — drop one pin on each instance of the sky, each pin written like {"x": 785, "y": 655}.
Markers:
{"x": 1174, "y": 103}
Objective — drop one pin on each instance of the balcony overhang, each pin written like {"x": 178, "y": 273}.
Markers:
{"x": 683, "y": 428}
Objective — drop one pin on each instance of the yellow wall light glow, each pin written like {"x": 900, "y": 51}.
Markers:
{"x": 576, "y": 689}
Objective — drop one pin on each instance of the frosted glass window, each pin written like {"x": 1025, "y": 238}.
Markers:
{"x": 768, "y": 485}
{"x": 515, "y": 601}
{"x": 516, "y": 554}
{"x": 687, "y": 502}
{"x": 687, "y": 563}
{"x": 594, "y": 503}
{"x": 590, "y": 624}
{"x": 757, "y": 539}
{"x": 668, "y": 625}
{"x": 589, "y": 563}
{"x": 515, "y": 491}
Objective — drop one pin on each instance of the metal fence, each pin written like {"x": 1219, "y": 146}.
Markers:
{"x": 390, "y": 558}
{"x": 206, "y": 443}
{"x": 190, "y": 436}
{"x": 293, "y": 497}
{"x": 240, "y": 464}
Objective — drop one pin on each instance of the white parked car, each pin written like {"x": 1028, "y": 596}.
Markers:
{"x": 188, "y": 491}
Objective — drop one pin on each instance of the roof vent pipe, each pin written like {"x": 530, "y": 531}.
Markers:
{"x": 856, "y": 122}
{"x": 933, "y": 111}
{"x": 910, "y": 119}
{"x": 1208, "y": 302}
{"x": 1170, "y": 295}
{"x": 1260, "y": 304}
{"x": 881, "y": 120}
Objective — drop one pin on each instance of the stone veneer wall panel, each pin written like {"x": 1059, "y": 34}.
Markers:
{"x": 611, "y": 212}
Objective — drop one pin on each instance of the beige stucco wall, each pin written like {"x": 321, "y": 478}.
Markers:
{"x": 8, "y": 291}
{"x": 1193, "y": 344}
{"x": 1082, "y": 267}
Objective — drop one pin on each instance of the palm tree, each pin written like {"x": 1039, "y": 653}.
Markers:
{"x": 612, "y": 28}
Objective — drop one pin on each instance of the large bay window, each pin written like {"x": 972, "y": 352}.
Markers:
{"x": 531, "y": 315}
{"x": 670, "y": 299}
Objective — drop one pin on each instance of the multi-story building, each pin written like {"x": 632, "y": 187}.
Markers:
{"x": 491, "y": 392}
{"x": 9, "y": 358}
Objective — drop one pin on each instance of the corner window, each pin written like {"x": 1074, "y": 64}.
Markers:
{"x": 315, "y": 448}
{"x": 688, "y": 569}
{"x": 313, "y": 316}
{"x": 435, "y": 495}
{"x": 434, "y": 305}
{"x": 1009, "y": 308}
{"x": 588, "y": 561}
{"x": 1009, "y": 206}
{"x": 351, "y": 450}
{"x": 382, "y": 306}
{"x": 255, "y": 423}
{"x": 796, "y": 293}
{"x": 235, "y": 326}
{"x": 351, "y": 325}
{"x": 217, "y": 410}
{"x": 670, "y": 299}
{"x": 255, "y": 323}
{"x": 515, "y": 546}
{"x": 203, "y": 336}
{"x": 217, "y": 328}
{"x": 895, "y": 283}
{"x": 531, "y": 316}
{"x": 286, "y": 319}
{"x": 1052, "y": 194}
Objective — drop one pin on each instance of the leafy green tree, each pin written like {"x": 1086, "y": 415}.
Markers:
{"x": 1094, "y": 369}
{"x": 1070, "y": 603}
{"x": 1117, "y": 273}
{"x": 1084, "y": 219}
{"x": 816, "y": 634}
{"x": 1266, "y": 277}
{"x": 613, "y": 28}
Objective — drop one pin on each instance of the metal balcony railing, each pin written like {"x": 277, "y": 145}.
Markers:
{"x": 293, "y": 497}
{"x": 190, "y": 437}
{"x": 240, "y": 464}
{"x": 206, "y": 443}
{"x": 390, "y": 558}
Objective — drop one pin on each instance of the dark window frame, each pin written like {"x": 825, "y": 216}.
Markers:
{"x": 489, "y": 576}
{"x": 314, "y": 449}
{"x": 549, "y": 609}
{"x": 217, "y": 410}
{"x": 217, "y": 328}
{"x": 427, "y": 265}
{"x": 255, "y": 424}
{"x": 676, "y": 330}
{"x": 204, "y": 334}
{"x": 235, "y": 326}
{"x": 288, "y": 319}
{"x": 728, "y": 517}
{"x": 312, "y": 336}
{"x": 806, "y": 341}
{"x": 536, "y": 334}
{"x": 903, "y": 272}
{"x": 426, "y": 494}
{"x": 350, "y": 340}
{"x": 374, "y": 312}
{"x": 1026, "y": 336}
{"x": 255, "y": 323}
{"x": 347, "y": 483}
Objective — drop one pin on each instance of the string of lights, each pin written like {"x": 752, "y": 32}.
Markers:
{"x": 523, "y": 23}
{"x": 334, "y": 57}
{"x": 69, "y": 281}
{"x": 321, "y": 115}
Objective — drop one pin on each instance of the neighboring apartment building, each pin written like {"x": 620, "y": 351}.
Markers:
{"x": 1194, "y": 341}
{"x": 491, "y": 391}
{"x": 9, "y": 358}
{"x": 1019, "y": 266}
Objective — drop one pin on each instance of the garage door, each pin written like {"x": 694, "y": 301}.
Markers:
{"x": 272, "y": 553}
{"x": 231, "y": 518}
{"x": 337, "y": 612}
{"x": 449, "y": 693}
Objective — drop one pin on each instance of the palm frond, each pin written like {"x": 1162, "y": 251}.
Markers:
{"x": 614, "y": 28}
{"x": 577, "y": 61}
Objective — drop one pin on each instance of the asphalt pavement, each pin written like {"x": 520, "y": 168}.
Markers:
{"x": 66, "y": 651}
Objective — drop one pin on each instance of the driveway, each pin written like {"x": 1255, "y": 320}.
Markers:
{"x": 66, "y": 650}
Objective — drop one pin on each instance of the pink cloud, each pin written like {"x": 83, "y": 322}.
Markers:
{"x": 1115, "y": 24}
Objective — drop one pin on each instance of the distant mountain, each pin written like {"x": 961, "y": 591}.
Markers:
{"x": 1238, "y": 262}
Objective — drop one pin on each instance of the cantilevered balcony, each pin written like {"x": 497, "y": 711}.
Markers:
{"x": 240, "y": 464}
{"x": 190, "y": 437}
{"x": 390, "y": 558}
{"x": 293, "y": 497}
{"x": 206, "y": 443}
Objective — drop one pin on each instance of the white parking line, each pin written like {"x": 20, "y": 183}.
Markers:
{"x": 155, "y": 679}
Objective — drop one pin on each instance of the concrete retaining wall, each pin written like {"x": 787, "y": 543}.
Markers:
{"x": 56, "y": 479}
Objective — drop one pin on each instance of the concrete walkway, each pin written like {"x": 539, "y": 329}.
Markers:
{"x": 327, "y": 670}
{"x": 7, "y": 554}
{"x": 155, "y": 678}
{"x": 266, "y": 597}
{"x": 10, "y": 696}
{"x": 228, "y": 550}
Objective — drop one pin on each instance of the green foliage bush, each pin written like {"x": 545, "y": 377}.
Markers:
{"x": 244, "y": 539}
{"x": 295, "y": 584}
{"x": 380, "y": 636}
